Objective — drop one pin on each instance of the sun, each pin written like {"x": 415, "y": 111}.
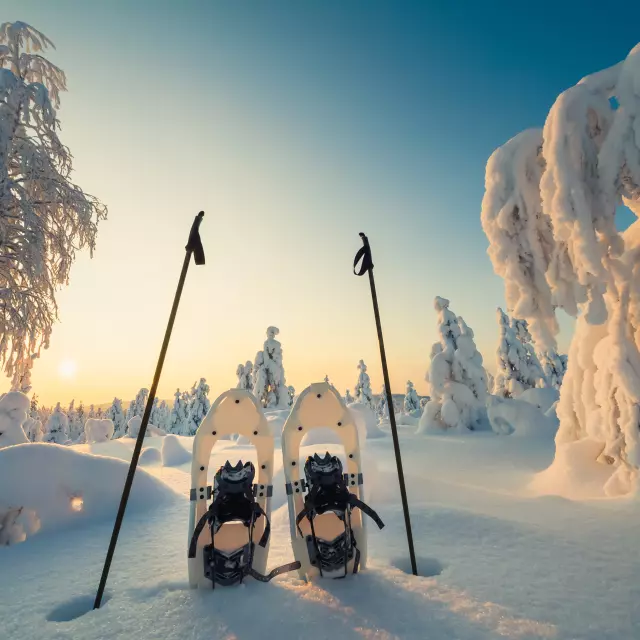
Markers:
{"x": 67, "y": 368}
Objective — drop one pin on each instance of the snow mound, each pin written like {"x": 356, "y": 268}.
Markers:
{"x": 407, "y": 420}
{"x": 96, "y": 430}
{"x": 575, "y": 472}
{"x": 13, "y": 413}
{"x": 133, "y": 428}
{"x": 544, "y": 399}
{"x": 366, "y": 422}
{"x": 150, "y": 456}
{"x": 65, "y": 487}
{"x": 517, "y": 417}
{"x": 173, "y": 453}
{"x": 327, "y": 435}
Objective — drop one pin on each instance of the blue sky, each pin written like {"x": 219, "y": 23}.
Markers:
{"x": 295, "y": 125}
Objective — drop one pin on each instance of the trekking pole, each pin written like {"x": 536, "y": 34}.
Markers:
{"x": 367, "y": 266}
{"x": 194, "y": 246}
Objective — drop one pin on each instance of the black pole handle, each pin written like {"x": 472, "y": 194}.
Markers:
{"x": 365, "y": 254}
{"x": 194, "y": 244}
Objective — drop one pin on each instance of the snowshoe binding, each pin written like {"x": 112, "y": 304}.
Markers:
{"x": 233, "y": 502}
{"x": 328, "y": 532}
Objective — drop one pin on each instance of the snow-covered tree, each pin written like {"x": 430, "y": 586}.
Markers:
{"x": 364, "y": 395}
{"x": 199, "y": 403}
{"x": 348, "y": 398}
{"x": 57, "y": 428}
{"x": 382, "y": 407}
{"x": 178, "y": 413}
{"x": 116, "y": 414}
{"x": 549, "y": 213}
{"x": 75, "y": 427}
{"x": 292, "y": 394}
{"x": 521, "y": 329}
{"x": 164, "y": 414}
{"x": 554, "y": 367}
{"x": 411, "y": 402}
{"x": 491, "y": 381}
{"x": 100, "y": 414}
{"x": 242, "y": 378}
{"x": 137, "y": 406}
{"x": 91, "y": 413}
{"x": 268, "y": 376}
{"x": 44, "y": 217}
{"x": 326, "y": 378}
{"x": 518, "y": 366}
{"x": 14, "y": 407}
{"x": 457, "y": 377}
{"x": 34, "y": 409}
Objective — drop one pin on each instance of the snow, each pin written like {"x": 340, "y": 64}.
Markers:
{"x": 97, "y": 430}
{"x": 515, "y": 416}
{"x": 44, "y": 479}
{"x": 499, "y": 557}
{"x": 544, "y": 398}
{"x": 366, "y": 421}
{"x": 173, "y": 453}
{"x": 14, "y": 408}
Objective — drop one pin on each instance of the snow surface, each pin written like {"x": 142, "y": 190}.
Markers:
{"x": 498, "y": 558}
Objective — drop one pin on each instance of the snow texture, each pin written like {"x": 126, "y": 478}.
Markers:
{"x": 457, "y": 378}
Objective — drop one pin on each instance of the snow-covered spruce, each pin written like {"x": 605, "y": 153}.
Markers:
{"x": 348, "y": 398}
{"x": 382, "y": 407}
{"x": 518, "y": 366}
{"x": 137, "y": 406}
{"x": 554, "y": 367}
{"x": 116, "y": 415}
{"x": 411, "y": 402}
{"x": 56, "y": 430}
{"x": 549, "y": 213}
{"x": 178, "y": 414}
{"x": 199, "y": 403}
{"x": 456, "y": 375}
{"x": 269, "y": 384}
{"x": 44, "y": 217}
{"x": 363, "y": 392}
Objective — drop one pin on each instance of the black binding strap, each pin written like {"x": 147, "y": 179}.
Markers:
{"x": 364, "y": 253}
{"x": 193, "y": 546}
{"x": 365, "y": 508}
{"x": 285, "y": 568}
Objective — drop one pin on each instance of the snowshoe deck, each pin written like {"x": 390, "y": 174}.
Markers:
{"x": 328, "y": 532}
{"x": 229, "y": 538}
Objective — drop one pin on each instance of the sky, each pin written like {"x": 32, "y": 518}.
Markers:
{"x": 294, "y": 126}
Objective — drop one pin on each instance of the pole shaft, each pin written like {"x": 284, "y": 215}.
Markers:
{"x": 394, "y": 429}
{"x": 143, "y": 428}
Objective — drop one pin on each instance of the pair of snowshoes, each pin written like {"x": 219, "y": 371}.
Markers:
{"x": 229, "y": 539}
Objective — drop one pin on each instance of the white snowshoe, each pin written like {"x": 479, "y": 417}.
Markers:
{"x": 328, "y": 532}
{"x": 229, "y": 539}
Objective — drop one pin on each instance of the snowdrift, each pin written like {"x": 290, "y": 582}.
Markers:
{"x": 64, "y": 487}
{"x": 366, "y": 422}
{"x": 173, "y": 453}
{"x": 520, "y": 418}
{"x": 543, "y": 399}
{"x": 13, "y": 413}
